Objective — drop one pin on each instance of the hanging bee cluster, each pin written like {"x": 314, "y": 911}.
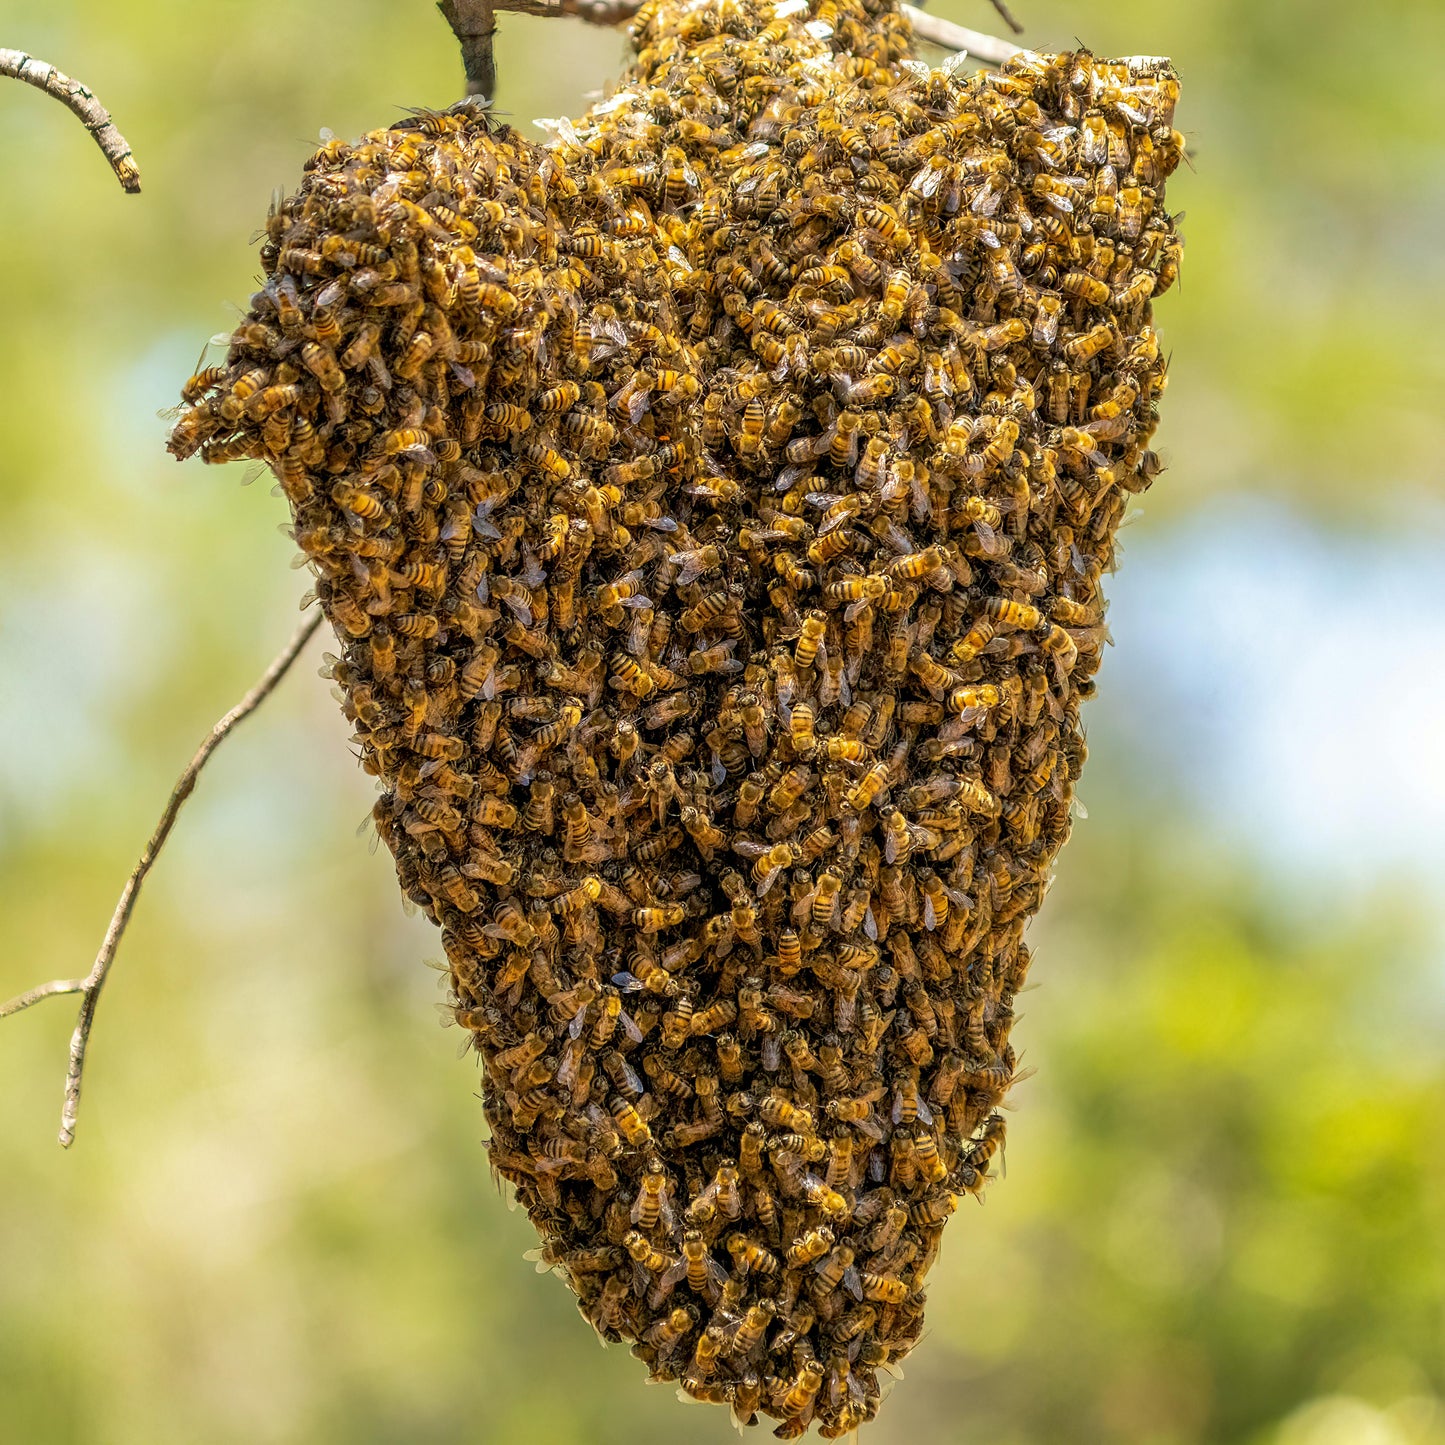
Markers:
{"x": 712, "y": 506}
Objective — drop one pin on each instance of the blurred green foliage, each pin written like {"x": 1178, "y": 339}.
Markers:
{"x": 1224, "y": 1219}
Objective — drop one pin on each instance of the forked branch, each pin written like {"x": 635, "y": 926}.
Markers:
{"x": 82, "y": 102}
{"x": 90, "y": 986}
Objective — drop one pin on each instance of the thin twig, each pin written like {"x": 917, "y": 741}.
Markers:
{"x": 40, "y": 991}
{"x": 473, "y": 24}
{"x": 90, "y": 986}
{"x": 78, "y": 98}
{"x": 1007, "y": 16}
{"x": 938, "y": 31}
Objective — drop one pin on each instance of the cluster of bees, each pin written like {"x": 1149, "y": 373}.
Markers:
{"x": 712, "y": 506}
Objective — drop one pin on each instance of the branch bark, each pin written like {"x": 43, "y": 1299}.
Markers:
{"x": 474, "y": 25}
{"x": 988, "y": 48}
{"x": 80, "y": 100}
{"x": 938, "y": 31}
{"x": 90, "y": 986}
{"x": 594, "y": 12}
{"x": 41, "y": 991}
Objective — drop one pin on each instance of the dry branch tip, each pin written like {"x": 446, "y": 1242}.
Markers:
{"x": 81, "y": 101}
{"x": 90, "y": 986}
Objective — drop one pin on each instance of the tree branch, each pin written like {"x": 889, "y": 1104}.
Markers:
{"x": 594, "y": 12}
{"x": 90, "y": 986}
{"x": 938, "y": 31}
{"x": 41, "y": 991}
{"x": 473, "y": 24}
{"x": 932, "y": 28}
{"x": 80, "y": 100}
{"x": 1007, "y": 16}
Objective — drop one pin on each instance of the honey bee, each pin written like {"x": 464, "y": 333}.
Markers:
{"x": 669, "y": 1332}
{"x": 801, "y": 730}
{"x": 634, "y": 1129}
{"x": 206, "y": 379}
{"x": 749, "y": 1256}
{"x": 872, "y": 783}
{"x": 809, "y": 641}
{"x": 796, "y": 1401}
{"x": 1085, "y": 348}
{"x": 825, "y": 900}
{"x": 607, "y": 1311}
{"x": 651, "y": 1207}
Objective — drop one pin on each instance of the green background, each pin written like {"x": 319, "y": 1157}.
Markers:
{"x": 1224, "y": 1216}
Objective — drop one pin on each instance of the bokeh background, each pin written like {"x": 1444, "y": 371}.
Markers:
{"x": 1224, "y": 1216}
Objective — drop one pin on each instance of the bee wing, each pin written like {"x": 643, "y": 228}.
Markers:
{"x": 671, "y": 1275}
{"x": 532, "y": 573}
{"x": 716, "y": 1274}
{"x": 638, "y": 404}
{"x": 988, "y": 538}
{"x": 520, "y": 609}
{"x": 544, "y": 1266}
{"x": 688, "y": 568}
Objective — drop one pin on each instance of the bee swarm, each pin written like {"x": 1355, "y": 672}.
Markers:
{"x": 712, "y": 506}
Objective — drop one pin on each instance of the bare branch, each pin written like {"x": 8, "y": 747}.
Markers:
{"x": 41, "y": 991}
{"x": 90, "y": 986}
{"x": 80, "y": 100}
{"x": 473, "y": 25}
{"x": 594, "y": 12}
{"x": 1007, "y": 16}
{"x": 938, "y": 31}
{"x": 932, "y": 28}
